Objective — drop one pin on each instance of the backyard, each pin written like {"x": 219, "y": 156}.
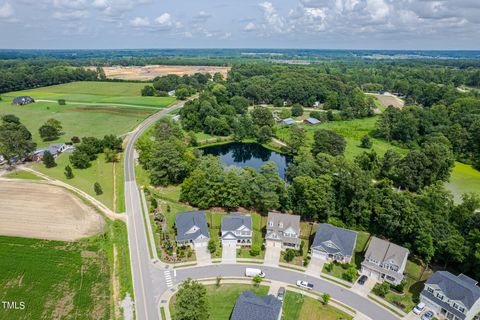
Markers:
{"x": 298, "y": 306}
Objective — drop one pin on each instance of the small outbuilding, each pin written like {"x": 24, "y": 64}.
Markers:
{"x": 23, "y": 100}
{"x": 287, "y": 121}
{"x": 312, "y": 121}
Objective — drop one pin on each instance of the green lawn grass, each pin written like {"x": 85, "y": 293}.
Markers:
{"x": 55, "y": 279}
{"x": 221, "y": 301}
{"x": 464, "y": 179}
{"x": 100, "y": 171}
{"x": 297, "y": 306}
{"x": 21, "y": 174}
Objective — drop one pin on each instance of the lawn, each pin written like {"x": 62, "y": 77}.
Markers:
{"x": 21, "y": 174}
{"x": 297, "y": 306}
{"x": 55, "y": 279}
{"x": 221, "y": 301}
{"x": 100, "y": 171}
{"x": 464, "y": 179}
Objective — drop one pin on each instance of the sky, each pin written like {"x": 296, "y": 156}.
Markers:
{"x": 317, "y": 24}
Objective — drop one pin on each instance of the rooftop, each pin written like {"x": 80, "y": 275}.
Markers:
{"x": 249, "y": 306}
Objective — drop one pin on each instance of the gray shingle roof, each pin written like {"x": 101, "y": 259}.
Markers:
{"x": 236, "y": 220}
{"x": 54, "y": 149}
{"x": 251, "y": 307}
{"x": 461, "y": 288}
{"x": 382, "y": 251}
{"x": 280, "y": 223}
{"x": 186, "y": 221}
{"x": 342, "y": 238}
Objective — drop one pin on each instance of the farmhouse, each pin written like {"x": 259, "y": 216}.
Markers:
{"x": 249, "y": 306}
{"x": 333, "y": 243}
{"x": 385, "y": 261}
{"x": 54, "y": 149}
{"x": 237, "y": 229}
{"x": 452, "y": 297}
{"x": 283, "y": 230}
{"x": 192, "y": 228}
{"x": 22, "y": 100}
{"x": 312, "y": 121}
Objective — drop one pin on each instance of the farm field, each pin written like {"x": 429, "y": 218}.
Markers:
{"x": 55, "y": 280}
{"x": 151, "y": 71}
{"x": 49, "y": 212}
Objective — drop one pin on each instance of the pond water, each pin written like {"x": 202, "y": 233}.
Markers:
{"x": 253, "y": 155}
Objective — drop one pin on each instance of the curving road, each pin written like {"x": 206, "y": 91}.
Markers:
{"x": 149, "y": 279}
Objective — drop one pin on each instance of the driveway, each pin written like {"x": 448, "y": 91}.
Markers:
{"x": 315, "y": 267}
{"x": 364, "y": 289}
{"x": 272, "y": 255}
{"x": 203, "y": 255}
{"x": 229, "y": 252}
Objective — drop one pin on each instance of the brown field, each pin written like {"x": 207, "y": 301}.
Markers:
{"x": 387, "y": 100}
{"x": 36, "y": 210}
{"x": 152, "y": 71}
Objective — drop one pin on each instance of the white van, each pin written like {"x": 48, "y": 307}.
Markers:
{"x": 252, "y": 272}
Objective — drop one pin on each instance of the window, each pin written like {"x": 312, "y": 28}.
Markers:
{"x": 440, "y": 296}
{"x": 429, "y": 289}
{"x": 270, "y": 223}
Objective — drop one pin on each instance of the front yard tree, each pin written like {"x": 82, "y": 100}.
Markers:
{"x": 255, "y": 250}
{"x": 97, "y": 188}
{"x": 48, "y": 160}
{"x": 212, "y": 246}
{"x": 191, "y": 302}
{"x": 15, "y": 140}
{"x": 68, "y": 172}
{"x": 383, "y": 289}
{"x": 325, "y": 298}
{"x": 257, "y": 280}
{"x": 289, "y": 255}
{"x": 80, "y": 159}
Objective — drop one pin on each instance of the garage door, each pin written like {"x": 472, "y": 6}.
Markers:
{"x": 276, "y": 244}
{"x": 200, "y": 244}
{"x": 229, "y": 243}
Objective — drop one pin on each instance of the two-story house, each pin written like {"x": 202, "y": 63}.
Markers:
{"x": 236, "y": 230}
{"x": 192, "y": 229}
{"x": 452, "y": 297}
{"x": 283, "y": 230}
{"x": 385, "y": 261}
{"x": 333, "y": 243}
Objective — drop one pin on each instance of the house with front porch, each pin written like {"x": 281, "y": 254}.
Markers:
{"x": 333, "y": 243}
{"x": 452, "y": 297}
{"x": 236, "y": 230}
{"x": 283, "y": 230}
{"x": 385, "y": 261}
{"x": 192, "y": 229}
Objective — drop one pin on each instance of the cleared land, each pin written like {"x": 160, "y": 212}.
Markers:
{"x": 152, "y": 71}
{"x": 389, "y": 99}
{"x": 43, "y": 211}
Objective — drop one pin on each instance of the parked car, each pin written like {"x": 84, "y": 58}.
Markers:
{"x": 305, "y": 284}
{"x": 428, "y": 315}
{"x": 281, "y": 293}
{"x": 362, "y": 279}
{"x": 252, "y": 272}
{"x": 419, "y": 308}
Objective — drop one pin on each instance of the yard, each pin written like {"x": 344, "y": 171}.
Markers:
{"x": 297, "y": 306}
{"x": 258, "y": 223}
{"x": 222, "y": 300}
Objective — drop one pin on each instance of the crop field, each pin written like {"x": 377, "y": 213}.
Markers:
{"x": 49, "y": 212}
{"x": 55, "y": 280}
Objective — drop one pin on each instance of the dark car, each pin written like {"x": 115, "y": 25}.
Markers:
{"x": 362, "y": 279}
{"x": 428, "y": 315}
{"x": 281, "y": 293}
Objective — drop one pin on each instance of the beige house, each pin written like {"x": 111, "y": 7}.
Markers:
{"x": 283, "y": 230}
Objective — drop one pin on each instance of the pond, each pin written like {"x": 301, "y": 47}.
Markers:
{"x": 253, "y": 155}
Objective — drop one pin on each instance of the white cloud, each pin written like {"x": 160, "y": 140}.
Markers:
{"x": 140, "y": 22}
{"x": 71, "y": 15}
{"x": 202, "y": 16}
{"x": 100, "y": 4}
{"x": 6, "y": 11}
{"x": 250, "y": 26}
{"x": 164, "y": 20}
{"x": 275, "y": 21}
{"x": 378, "y": 9}
{"x": 70, "y": 4}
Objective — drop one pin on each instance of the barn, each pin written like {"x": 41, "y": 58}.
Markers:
{"x": 23, "y": 100}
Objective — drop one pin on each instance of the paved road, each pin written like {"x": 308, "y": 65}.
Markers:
{"x": 143, "y": 281}
{"x": 359, "y": 303}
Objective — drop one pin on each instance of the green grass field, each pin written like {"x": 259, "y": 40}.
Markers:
{"x": 297, "y": 306}
{"x": 100, "y": 171}
{"x": 222, "y": 300}
{"x": 21, "y": 174}
{"x": 464, "y": 179}
{"x": 55, "y": 279}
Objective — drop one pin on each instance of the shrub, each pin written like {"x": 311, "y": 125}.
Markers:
{"x": 212, "y": 246}
{"x": 68, "y": 172}
{"x": 329, "y": 267}
{"x": 350, "y": 274}
{"x": 382, "y": 289}
{"x": 255, "y": 250}
{"x": 97, "y": 188}
{"x": 62, "y": 102}
{"x": 289, "y": 255}
{"x": 325, "y": 298}
{"x": 366, "y": 142}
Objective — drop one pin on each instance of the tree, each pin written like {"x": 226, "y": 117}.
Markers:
{"x": 289, "y": 255}
{"x": 148, "y": 91}
{"x": 48, "y": 160}
{"x": 80, "y": 159}
{"x": 48, "y": 133}
{"x": 296, "y": 139}
{"x": 262, "y": 116}
{"x": 61, "y": 102}
{"x": 182, "y": 93}
{"x": 265, "y": 134}
{"x": 240, "y": 104}
{"x": 328, "y": 141}
{"x": 257, "y": 280}
{"x": 366, "y": 142}
{"x": 170, "y": 163}
{"x": 350, "y": 274}
{"x": 325, "y": 298}
{"x": 75, "y": 139}
{"x": 297, "y": 110}
{"x": 55, "y": 123}
{"x": 191, "y": 301}
{"x": 68, "y": 172}
{"x": 382, "y": 289}
{"x": 255, "y": 250}
{"x": 11, "y": 118}
{"x": 218, "y": 281}
{"x": 110, "y": 155}
{"x": 212, "y": 246}
{"x": 15, "y": 141}
{"x": 97, "y": 188}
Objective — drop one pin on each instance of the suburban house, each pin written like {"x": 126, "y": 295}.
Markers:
{"x": 333, "y": 243}
{"x": 283, "y": 230}
{"x": 385, "y": 261}
{"x": 22, "y": 100}
{"x": 287, "y": 121}
{"x": 192, "y": 228}
{"x": 54, "y": 149}
{"x": 249, "y": 306}
{"x": 452, "y": 297}
{"x": 312, "y": 121}
{"x": 237, "y": 229}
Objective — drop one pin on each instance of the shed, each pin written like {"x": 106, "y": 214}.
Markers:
{"x": 312, "y": 121}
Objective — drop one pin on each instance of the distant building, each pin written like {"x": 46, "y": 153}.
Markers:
{"x": 22, "y": 100}
{"x": 171, "y": 93}
{"x": 249, "y": 306}
{"x": 452, "y": 297}
{"x": 287, "y": 121}
{"x": 312, "y": 121}
{"x": 192, "y": 228}
{"x": 333, "y": 243}
{"x": 54, "y": 149}
{"x": 176, "y": 118}
{"x": 316, "y": 104}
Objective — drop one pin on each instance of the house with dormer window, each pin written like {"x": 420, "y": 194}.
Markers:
{"x": 333, "y": 243}
{"x": 237, "y": 229}
{"x": 192, "y": 229}
{"x": 385, "y": 261}
{"x": 283, "y": 230}
{"x": 452, "y": 297}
